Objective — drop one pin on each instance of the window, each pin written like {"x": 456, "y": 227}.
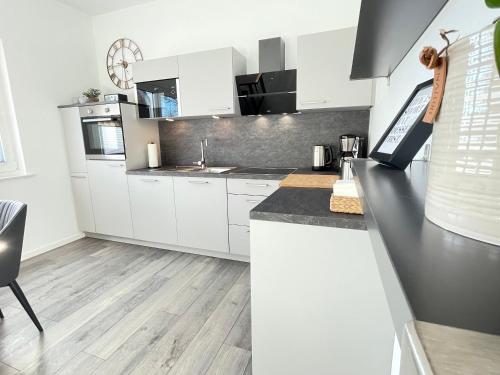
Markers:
{"x": 11, "y": 160}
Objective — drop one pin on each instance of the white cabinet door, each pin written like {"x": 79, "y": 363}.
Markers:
{"x": 110, "y": 198}
{"x": 75, "y": 148}
{"x": 207, "y": 83}
{"x": 324, "y": 62}
{"x": 156, "y": 69}
{"x": 83, "y": 202}
{"x": 153, "y": 208}
{"x": 239, "y": 239}
{"x": 201, "y": 207}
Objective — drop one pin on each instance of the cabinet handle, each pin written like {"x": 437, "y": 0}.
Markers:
{"x": 253, "y": 201}
{"x": 225, "y": 108}
{"x": 99, "y": 119}
{"x": 248, "y": 230}
{"x": 115, "y": 165}
{"x": 315, "y": 102}
{"x": 198, "y": 182}
{"x": 257, "y": 185}
{"x": 150, "y": 180}
{"x": 78, "y": 177}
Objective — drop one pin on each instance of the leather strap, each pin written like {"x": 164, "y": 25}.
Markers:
{"x": 432, "y": 59}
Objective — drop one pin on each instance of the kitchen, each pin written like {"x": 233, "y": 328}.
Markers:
{"x": 203, "y": 152}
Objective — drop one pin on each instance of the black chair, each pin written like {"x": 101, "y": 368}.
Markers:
{"x": 12, "y": 221}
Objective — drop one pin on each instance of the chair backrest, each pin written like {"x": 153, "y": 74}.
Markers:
{"x": 12, "y": 222}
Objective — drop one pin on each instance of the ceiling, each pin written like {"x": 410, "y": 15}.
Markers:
{"x": 96, "y": 7}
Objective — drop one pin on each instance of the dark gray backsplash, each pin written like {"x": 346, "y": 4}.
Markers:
{"x": 266, "y": 141}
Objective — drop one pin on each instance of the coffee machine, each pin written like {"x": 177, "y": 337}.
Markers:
{"x": 350, "y": 147}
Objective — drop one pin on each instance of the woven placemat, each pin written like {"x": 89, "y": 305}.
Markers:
{"x": 346, "y": 205}
{"x": 309, "y": 181}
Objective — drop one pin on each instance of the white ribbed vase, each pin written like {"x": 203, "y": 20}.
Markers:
{"x": 463, "y": 193}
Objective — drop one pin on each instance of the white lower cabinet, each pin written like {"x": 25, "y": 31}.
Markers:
{"x": 110, "y": 198}
{"x": 153, "y": 208}
{"x": 83, "y": 202}
{"x": 239, "y": 239}
{"x": 201, "y": 210}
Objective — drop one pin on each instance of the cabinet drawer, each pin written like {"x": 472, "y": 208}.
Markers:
{"x": 239, "y": 207}
{"x": 239, "y": 240}
{"x": 252, "y": 187}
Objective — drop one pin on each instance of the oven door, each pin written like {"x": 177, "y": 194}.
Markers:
{"x": 103, "y": 138}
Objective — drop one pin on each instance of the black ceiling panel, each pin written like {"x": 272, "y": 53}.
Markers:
{"x": 387, "y": 30}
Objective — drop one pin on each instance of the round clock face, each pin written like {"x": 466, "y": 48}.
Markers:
{"x": 121, "y": 54}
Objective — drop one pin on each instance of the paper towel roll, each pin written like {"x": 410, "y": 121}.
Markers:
{"x": 153, "y": 160}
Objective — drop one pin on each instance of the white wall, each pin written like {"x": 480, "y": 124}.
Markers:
{"x": 50, "y": 57}
{"x": 465, "y": 15}
{"x": 167, "y": 27}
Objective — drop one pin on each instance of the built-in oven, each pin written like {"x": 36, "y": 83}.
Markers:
{"x": 103, "y": 132}
{"x": 158, "y": 99}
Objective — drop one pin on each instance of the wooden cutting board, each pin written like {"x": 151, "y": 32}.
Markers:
{"x": 319, "y": 181}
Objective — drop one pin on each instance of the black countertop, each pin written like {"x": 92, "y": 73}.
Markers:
{"x": 238, "y": 173}
{"x": 447, "y": 278}
{"x": 289, "y": 205}
{"x": 93, "y": 103}
{"x": 304, "y": 206}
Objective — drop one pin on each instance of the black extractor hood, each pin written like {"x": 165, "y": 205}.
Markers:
{"x": 273, "y": 90}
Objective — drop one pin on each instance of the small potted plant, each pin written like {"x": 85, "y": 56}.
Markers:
{"x": 92, "y": 95}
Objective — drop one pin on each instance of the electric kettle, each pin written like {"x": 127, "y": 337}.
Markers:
{"x": 322, "y": 157}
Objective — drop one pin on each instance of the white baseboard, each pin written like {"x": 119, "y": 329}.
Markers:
{"x": 51, "y": 246}
{"x": 182, "y": 249}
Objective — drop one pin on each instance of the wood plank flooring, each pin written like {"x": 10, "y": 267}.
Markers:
{"x": 113, "y": 308}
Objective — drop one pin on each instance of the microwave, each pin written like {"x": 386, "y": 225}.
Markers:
{"x": 158, "y": 99}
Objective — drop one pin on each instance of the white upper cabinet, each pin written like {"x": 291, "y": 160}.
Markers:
{"x": 201, "y": 208}
{"x": 74, "y": 139}
{"x": 110, "y": 198}
{"x": 156, "y": 69}
{"x": 324, "y": 62}
{"x": 153, "y": 208}
{"x": 207, "y": 84}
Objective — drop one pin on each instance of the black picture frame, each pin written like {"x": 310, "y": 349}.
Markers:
{"x": 415, "y": 137}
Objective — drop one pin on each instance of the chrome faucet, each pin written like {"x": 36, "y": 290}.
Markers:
{"x": 202, "y": 162}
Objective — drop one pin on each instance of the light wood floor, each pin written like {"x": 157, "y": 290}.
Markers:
{"x": 112, "y": 308}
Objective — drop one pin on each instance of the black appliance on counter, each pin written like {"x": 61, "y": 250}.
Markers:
{"x": 115, "y": 98}
{"x": 268, "y": 93}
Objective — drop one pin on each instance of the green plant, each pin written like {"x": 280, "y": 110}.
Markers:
{"x": 496, "y": 41}
{"x": 92, "y": 93}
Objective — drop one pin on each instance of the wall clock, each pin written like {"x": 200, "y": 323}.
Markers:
{"x": 121, "y": 54}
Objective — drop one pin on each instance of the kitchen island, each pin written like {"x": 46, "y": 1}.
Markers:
{"x": 318, "y": 305}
